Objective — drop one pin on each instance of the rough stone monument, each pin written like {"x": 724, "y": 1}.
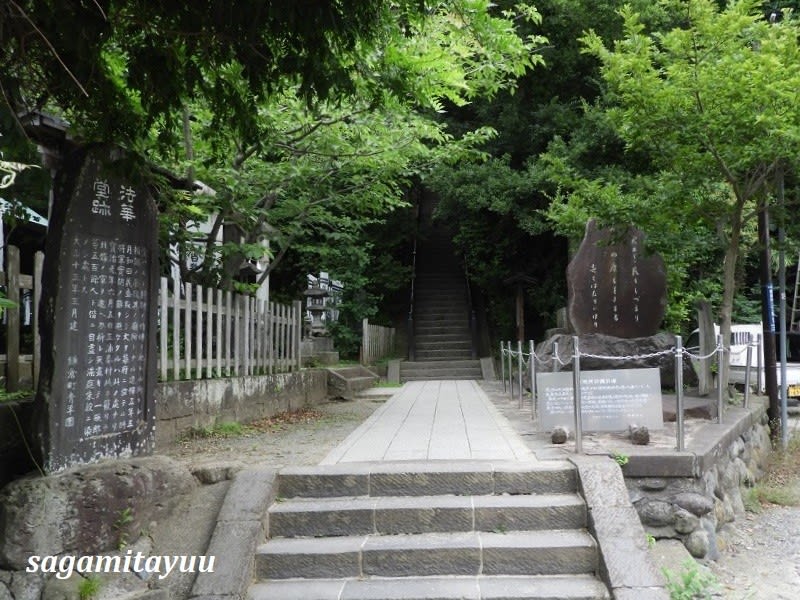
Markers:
{"x": 95, "y": 396}
{"x": 615, "y": 288}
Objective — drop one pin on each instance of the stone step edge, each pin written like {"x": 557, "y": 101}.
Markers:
{"x": 426, "y": 478}
{"x": 545, "y": 552}
{"x": 484, "y": 587}
{"x": 389, "y": 515}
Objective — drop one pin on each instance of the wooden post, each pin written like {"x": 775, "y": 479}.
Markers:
{"x": 365, "y": 342}
{"x": 218, "y": 345}
{"x": 198, "y": 367}
{"x": 38, "y": 262}
{"x": 13, "y": 320}
{"x": 270, "y": 338}
{"x": 187, "y": 329}
{"x": 246, "y": 334}
{"x": 298, "y": 324}
{"x": 176, "y": 331}
{"x": 163, "y": 326}
{"x": 209, "y": 333}
{"x": 228, "y": 332}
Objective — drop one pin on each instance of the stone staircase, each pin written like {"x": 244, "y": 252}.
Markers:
{"x": 406, "y": 531}
{"x": 443, "y": 341}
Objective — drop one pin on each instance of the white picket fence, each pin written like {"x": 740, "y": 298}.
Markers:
{"x": 206, "y": 333}
{"x": 377, "y": 342}
{"x": 21, "y": 370}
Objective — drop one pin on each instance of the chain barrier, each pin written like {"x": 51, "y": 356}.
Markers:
{"x": 528, "y": 361}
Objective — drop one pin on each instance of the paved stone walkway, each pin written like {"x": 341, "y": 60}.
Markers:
{"x": 434, "y": 420}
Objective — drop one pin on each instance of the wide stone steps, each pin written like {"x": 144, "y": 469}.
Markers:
{"x": 462, "y": 478}
{"x": 444, "y": 530}
{"x": 393, "y": 515}
{"x": 549, "y": 552}
{"x": 544, "y": 587}
{"x": 438, "y": 338}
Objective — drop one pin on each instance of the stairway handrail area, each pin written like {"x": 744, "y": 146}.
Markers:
{"x": 411, "y": 349}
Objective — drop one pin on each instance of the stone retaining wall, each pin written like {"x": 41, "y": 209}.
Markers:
{"x": 694, "y": 497}
{"x": 183, "y": 405}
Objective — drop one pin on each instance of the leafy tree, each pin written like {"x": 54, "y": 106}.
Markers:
{"x": 116, "y": 67}
{"x": 326, "y": 171}
{"x": 710, "y": 99}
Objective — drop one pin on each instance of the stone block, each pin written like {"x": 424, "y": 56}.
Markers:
{"x": 323, "y": 483}
{"x": 623, "y": 545}
{"x": 249, "y": 496}
{"x": 233, "y": 544}
{"x": 552, "y": 478}
{"x": 423, "y": 514}
{"x": 309, "y": 558}
{"x": 76, "y": 511}
{"x": 422, "y": 555}
{"x": 431, "y": 483}
{"x": 330, "y": 518}
{"x": 529, "y": 513}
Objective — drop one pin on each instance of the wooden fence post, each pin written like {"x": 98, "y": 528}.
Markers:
{"x": 12, "y": 321}
{"x": 298, "y": 333}
{"x": 38, "y": 264}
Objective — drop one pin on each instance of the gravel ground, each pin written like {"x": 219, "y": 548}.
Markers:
{"x": 760, "y": 559}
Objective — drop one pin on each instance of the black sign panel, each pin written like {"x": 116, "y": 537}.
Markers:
{"x": 99, "y": 314}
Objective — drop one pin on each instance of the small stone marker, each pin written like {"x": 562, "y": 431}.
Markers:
{"x": 614, "y": 289}
{"x": 559, "y": 435}
{"x": 95, "y": 397}
{"x": 610, "y": 400}
{"x": 640, "y": 435}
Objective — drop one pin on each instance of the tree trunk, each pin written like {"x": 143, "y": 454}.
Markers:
{"x": 729, "y": 288}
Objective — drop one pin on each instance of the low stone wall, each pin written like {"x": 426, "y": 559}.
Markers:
{"x": 183, "y": 405}
{"x": 692, "y": 495}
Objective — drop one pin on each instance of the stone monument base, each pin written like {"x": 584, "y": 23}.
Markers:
{"x": 632, "y": 353}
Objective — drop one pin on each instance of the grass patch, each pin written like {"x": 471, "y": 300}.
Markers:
{"x": 781, "y": 484}
{"x": 89, "y": 588}
{"x": 692, "y": 583}
{"x": 220, "y": 430}
{"x": 6, "y": 396}
{"x": 388, "y": 384}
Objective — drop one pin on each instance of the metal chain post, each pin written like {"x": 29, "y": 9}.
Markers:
{"x": 510, "y": 371}
{"x": 519, "y": 364}
{"x": 555, "y": 357}
{"x": 532, "y": 347}
{"x": 503, "y": 367}
{"x": 576, "y": 386}
{"x": 749, "y": 364}
{"x": 760, "y": 363}
{"x": 679, "y": 392}
{"x": 720, "y": 362}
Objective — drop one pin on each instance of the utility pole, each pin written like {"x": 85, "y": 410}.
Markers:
{"x": 782, "y": 290}
{"x": 768, "y": 319}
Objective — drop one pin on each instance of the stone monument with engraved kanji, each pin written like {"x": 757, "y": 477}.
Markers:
{"x": 99, "y": 312}
{"x": 615, "y": 287}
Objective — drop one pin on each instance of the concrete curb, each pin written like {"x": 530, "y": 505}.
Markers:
{"x": 625, "y": 563}
{"x": 241, "y": 525}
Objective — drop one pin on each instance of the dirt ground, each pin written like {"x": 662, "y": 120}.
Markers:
{"x": 760, "y": 559}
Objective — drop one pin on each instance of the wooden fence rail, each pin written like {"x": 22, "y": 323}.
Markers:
{"x": 377, "y": 342}
{"x": 21, "y": 367}
{"x": 206, "y": 333}
{"x": 212, "y": 333}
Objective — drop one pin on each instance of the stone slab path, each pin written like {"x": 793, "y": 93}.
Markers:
{"x": 434, "y": 420}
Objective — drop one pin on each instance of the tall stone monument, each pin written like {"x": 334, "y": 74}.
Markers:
{"x": 614, "y": 287}
{"x": 99, "y": 311}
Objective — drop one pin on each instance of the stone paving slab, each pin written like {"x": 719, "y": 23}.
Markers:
{"x": 577, "y": 587}
{"x": 547, "y": 552}
{"x": 427, "y": 478}
{"x": 431, "y": 421}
